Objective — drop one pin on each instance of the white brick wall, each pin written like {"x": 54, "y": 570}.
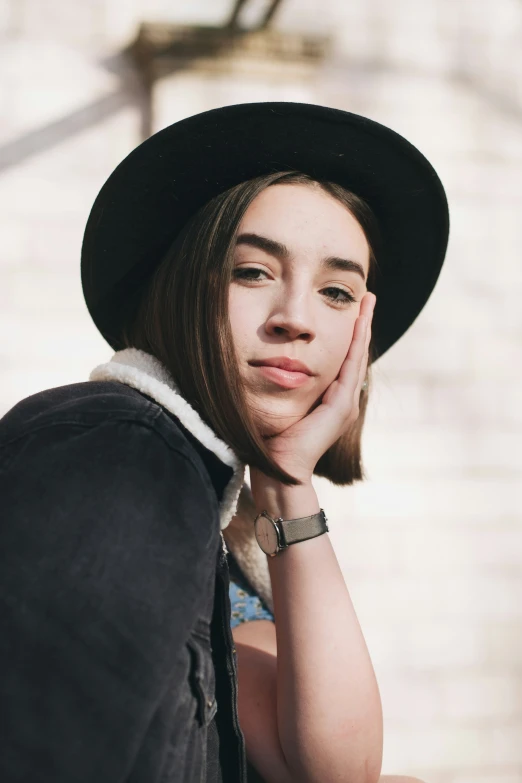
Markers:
{"x": 431, "y": 544}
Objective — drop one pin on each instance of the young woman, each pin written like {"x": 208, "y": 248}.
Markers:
{"x": 247, "y": 265}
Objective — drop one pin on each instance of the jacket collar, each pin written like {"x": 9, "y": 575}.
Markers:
{"x": 237, "y": 509}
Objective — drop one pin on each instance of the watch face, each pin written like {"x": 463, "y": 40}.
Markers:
{"x": 266, "y": 535}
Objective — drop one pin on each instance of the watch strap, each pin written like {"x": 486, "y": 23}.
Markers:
{"x": 295, "y": 530}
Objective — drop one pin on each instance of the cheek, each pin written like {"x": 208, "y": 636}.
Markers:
{"x": 243, "y": 319}
{"x": 337, "y": 344}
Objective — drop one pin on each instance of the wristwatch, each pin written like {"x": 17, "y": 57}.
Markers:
{"x": 274, "y": 535}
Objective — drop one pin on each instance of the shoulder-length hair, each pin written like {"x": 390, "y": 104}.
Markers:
{"x": 182, "y": 320}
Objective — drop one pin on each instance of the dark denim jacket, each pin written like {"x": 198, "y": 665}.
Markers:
{"x": 117, "y": 661}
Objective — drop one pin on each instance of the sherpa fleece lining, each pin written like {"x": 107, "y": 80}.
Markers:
{"x": 237, "y": 509}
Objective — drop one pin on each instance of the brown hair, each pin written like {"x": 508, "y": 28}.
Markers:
{"x": 182, "y": 320}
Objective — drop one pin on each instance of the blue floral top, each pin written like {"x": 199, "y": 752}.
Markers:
{"x": 245, "y": 605}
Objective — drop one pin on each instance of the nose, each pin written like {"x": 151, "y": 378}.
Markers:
{"x": 292, "y": 316}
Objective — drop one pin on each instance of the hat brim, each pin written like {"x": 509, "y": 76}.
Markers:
{"x": 162, "y": 183}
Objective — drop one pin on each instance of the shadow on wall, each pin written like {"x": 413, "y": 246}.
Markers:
{"x": 134, "y": 67}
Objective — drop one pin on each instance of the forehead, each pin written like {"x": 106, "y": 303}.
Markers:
{"x": 309, "y": 221}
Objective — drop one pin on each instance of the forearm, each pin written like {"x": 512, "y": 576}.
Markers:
{"x": 328, "y": 704}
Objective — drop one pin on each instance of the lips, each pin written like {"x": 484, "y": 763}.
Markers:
{"x": 283, "y": 363}
{"x": 283, "y": 378}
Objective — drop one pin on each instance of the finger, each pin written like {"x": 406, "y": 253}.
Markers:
{"x": 364, "y": 365}
{"x": 349, "y": 375}
{"x": 365, "y": 312}
{"x": 367, "y": 304}
{"x": 350, "y": 371}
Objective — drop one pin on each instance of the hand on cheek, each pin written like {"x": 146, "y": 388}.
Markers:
{"x": 298, "y": 449}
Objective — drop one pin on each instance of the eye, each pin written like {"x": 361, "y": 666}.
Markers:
{"x": 346, "y": 294}
{"x": 242, "y": 272}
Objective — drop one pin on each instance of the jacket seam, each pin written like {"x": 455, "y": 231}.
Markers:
{"x": 146, "y": 424}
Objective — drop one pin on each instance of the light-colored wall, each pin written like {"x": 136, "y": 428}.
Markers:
{"x": 431, "y": 544}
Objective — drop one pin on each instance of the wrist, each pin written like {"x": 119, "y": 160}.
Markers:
{"x": 280, "y": 500}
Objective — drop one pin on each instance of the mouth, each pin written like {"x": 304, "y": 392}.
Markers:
{"x": 283, "y": 378}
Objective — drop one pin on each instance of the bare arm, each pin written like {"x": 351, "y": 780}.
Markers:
{"x": 257, "y": 699}
{"x": 329, "y": 715}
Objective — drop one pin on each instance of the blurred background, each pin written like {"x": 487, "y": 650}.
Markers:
{"x": 431, "y": 544}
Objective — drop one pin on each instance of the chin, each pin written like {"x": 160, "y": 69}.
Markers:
{"x": 271, "y": 423}
{"x": 269, "y": 430}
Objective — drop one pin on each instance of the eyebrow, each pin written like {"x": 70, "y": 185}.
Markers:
{"x": 281, "y": 251}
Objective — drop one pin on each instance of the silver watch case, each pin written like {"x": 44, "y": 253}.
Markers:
{"x": 268, "y": 534}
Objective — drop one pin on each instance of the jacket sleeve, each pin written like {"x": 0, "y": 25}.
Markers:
{"x": 107, "y": 535}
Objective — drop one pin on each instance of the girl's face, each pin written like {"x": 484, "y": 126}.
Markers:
{"x": 301, "y": 264}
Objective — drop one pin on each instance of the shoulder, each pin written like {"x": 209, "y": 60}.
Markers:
{"x": 106, "y": 409}
{"x": 98, "y": 465}
{"x": 97, "y": 456}
{"x": 89, "y": 402}
{"x": 99, "y": 501}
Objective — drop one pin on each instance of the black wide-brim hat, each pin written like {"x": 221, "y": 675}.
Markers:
{"x": 161, "y": 184}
